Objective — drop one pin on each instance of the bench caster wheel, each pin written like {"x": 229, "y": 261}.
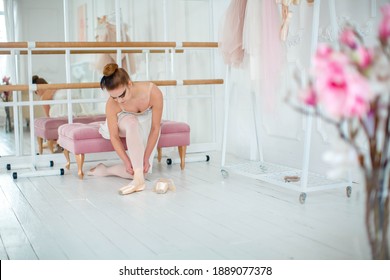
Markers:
{"x": 348, "y": 191}
{"x": 62, "y": 171}
{"x": 8, "y": 166}
{"x": 15, "y": 175}
{"x": 51, "y": 163}
{"x": 169, "y": 161}
{"x": 302, "y": 198}
{"x": 207, "y": 158}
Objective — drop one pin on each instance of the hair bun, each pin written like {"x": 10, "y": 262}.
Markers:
{"x": 34, "y": 79}
{"x": 110, "y": 69}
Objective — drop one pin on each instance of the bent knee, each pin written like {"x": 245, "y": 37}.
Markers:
{"x": 128, "y": 121}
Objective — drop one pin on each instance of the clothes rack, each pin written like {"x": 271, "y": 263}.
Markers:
{"x": 277, "y": 174}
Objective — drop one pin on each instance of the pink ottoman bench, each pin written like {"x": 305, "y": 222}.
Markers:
{"x": 47, "y": 128}
{"x": 81, "y": 139}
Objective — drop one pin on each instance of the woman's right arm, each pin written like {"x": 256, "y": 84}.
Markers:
{"x": 112, "y": 122}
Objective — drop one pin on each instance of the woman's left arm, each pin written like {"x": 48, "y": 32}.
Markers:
{"x": 156, "y": 102}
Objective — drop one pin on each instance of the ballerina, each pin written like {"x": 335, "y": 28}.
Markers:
{"x": 133, "y": 111}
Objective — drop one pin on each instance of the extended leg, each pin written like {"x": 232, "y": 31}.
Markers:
{"x": 104, "y": 170}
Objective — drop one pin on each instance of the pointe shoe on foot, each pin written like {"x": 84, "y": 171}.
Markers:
{"x": 162, "y": 185}
{"x": 131, "y": 188}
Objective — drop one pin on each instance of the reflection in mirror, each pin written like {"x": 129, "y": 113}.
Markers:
{"x": 7, "y": 136}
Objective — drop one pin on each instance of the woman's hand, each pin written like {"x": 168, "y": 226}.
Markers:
{"x": 146, "y": 166}
{"x": 129, "y": 168}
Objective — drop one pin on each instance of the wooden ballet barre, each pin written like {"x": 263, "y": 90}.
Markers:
{"x": 97, "y": 85}
{"x": 37, "y": 45}
{"x": 188, "y": 82}
{"x": 36, "y": 52}
{"x": 200, "y": 45}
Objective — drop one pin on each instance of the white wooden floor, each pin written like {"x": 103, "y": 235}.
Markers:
{"x": 208, "y": 217}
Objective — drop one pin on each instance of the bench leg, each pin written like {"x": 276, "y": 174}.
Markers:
{"x": 51, "y": 144}
{"x": 159, "y": 154}
{"x": 40, "y": 145}
{"x": 66, "y": 154}
{"x": 80, "y": 163}
{"x": 182, "y": 154}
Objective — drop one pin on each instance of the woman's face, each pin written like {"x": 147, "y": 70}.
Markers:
{"x": 120, "y": 94}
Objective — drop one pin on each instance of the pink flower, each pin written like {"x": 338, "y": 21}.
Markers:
{"x": 6, "y": 80}
{"x": 348, "y": 38}
{"x": 358, "y": 96}
{"x": 308, "y": 96}
{"x": 384, "y": 26}
{"x": 342, "y": 90}
{"x": 323, "y": 51}
{"x": 364, "y": 57}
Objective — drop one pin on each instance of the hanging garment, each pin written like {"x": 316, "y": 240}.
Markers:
{"x": 106, "y": 32}
{"x": 266, "y": 52}
{"x": 251, "y": 38}
{"x": 231, "y": 32}
{"x": 287, "y": 15}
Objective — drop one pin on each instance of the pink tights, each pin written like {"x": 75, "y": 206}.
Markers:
{"x": 128, "y": 127}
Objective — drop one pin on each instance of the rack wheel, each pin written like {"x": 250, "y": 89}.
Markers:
{"x": 348, "y": 191}
{"x": 302, "y": 198}
{"x": 169, "y": 161}
{"x": 224, "y": 173}
{"x": 207, "y": 158}
{"x": 62, "y": 171}
{"x": 15, "y": 175}
{"x": 51, "y": 163}
{"x": 8, "y": 166}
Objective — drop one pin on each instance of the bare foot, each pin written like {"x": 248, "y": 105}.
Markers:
{"x": 98, "y": 170}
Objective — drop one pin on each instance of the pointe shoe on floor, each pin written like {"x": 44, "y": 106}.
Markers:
{"x": 162, "y": 185}
{"x": 132, "y": 188}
